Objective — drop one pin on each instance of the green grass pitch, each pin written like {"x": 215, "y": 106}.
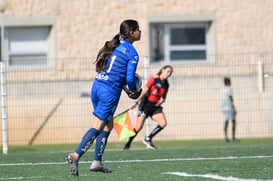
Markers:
{"x": 198, "y": 160}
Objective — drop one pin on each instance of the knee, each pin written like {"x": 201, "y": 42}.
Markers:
{"x": 108, "y": 128}
{"x": 163, "y": 125}
{"x": 138, "y": 128}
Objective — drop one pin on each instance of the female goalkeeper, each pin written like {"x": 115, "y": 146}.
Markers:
{"x": 116, "y": 65}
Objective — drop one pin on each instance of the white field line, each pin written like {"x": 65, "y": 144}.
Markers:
{"x": 140, "y": 161}
{"x": 211, "y": 176}
{"x": 21, "y": 178}
{"x": 31, "y": 178}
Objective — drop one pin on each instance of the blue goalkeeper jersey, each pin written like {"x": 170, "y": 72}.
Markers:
{"x": 120, "y": 68}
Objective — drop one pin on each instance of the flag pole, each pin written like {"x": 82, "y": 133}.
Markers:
{"x": 121, "y": 113}
{"x": 146, "y": 77}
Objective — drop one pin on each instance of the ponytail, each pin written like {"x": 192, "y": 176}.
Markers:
{"x": 105, "y": 53}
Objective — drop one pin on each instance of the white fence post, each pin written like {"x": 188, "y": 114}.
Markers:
{"x": 3, "y": 4}
{"x": 4, "y": 109}
{"x": 146, "y": 77}
{"x": 260, "y": 76}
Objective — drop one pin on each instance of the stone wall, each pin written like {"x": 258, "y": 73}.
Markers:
{"x": 83, "y": 26}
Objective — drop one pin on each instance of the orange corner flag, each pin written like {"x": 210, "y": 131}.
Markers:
{"x": 123, "y": 125}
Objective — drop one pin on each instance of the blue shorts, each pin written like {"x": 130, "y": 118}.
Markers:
{"x": 104, "y": 102}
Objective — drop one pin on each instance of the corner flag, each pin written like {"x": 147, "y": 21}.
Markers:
{"x": 123, "y": 125}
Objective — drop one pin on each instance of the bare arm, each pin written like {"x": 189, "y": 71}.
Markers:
{"x": 144, "y": 92}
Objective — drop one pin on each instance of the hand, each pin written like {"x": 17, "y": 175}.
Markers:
{"x": 133, "y": 94}
{"x": 160, "y": 102}
{"x": 135, "y": 105}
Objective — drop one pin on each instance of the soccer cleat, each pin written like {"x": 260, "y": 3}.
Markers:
{"x": 97, "y": 166}
{"x": 127, "y": 146}
{"x": 73, "y": 162}
{"x": 149, "y": 143}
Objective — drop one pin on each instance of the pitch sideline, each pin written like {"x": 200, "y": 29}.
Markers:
{"x": 211, "y": 176}
{"x": 134, "y": 161}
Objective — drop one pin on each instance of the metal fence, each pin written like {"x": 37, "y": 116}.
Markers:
{"x": 54, "y": 107}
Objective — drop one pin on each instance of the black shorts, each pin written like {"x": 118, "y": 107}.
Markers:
{"x": 148, "y": 109}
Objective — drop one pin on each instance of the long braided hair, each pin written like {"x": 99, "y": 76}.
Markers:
{"x": 105, "y": 52}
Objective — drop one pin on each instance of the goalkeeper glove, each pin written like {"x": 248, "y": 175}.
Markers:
{"x": 133, "y": 94}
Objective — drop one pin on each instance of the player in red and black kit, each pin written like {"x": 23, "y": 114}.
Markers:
{"x": 151, "y": 99}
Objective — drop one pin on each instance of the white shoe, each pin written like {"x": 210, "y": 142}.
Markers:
{"x": 73, "y": 162}
{"x": 97, "y": 166}
{"x": 149, "y": 144}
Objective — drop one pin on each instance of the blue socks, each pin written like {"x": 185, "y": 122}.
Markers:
{"x": 87, "y": 141}
{"x": 100, "y": 145}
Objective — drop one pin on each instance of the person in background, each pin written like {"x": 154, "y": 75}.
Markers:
{"x": 150, "y": 105}
{"x": 116, "y": 65}
{"x": 228, "y": 109}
